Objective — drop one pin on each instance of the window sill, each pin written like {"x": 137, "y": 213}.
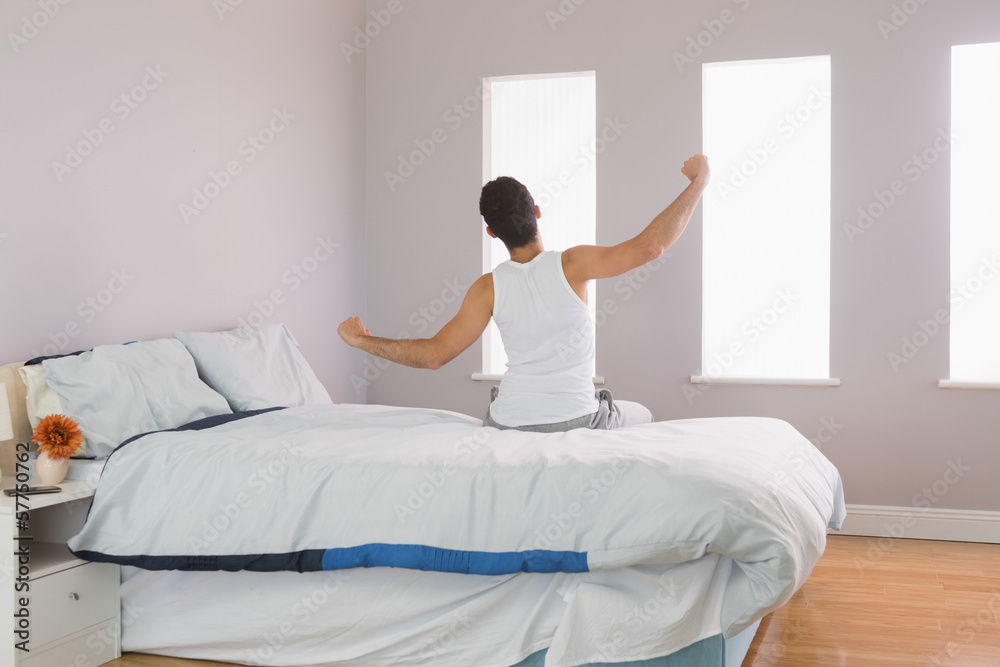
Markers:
{"x": 967, "y": 384}
{"x": 797, "y": 382}
{"x": 494, "y": 377}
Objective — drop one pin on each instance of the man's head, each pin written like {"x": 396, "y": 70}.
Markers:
{"x": 509, "y": 212}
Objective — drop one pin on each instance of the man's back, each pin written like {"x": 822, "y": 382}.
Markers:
{"x": 548, "y": 335}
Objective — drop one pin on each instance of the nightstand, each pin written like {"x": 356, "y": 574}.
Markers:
{"x": 71, "y": 611}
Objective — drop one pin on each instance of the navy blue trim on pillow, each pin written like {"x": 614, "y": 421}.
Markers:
{"x": 38, "y": 360}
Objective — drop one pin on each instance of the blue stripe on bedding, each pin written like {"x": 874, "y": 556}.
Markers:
{"x": 410, "y": 556}
{"x": 420, "y": 557}
{"x": 308, "y": 560}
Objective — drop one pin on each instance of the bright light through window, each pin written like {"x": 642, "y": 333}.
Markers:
{"x": 541, "y": 130}
{"x": 766, "y": 271}
{"x": 975, "y": 213}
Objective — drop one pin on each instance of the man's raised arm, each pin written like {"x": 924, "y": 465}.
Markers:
{"x": 454, "y": 337}
{"x": 590, "y": 262}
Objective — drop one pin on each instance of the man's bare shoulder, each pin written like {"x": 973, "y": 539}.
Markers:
{"x": 482, "y": 289}
{"x": 577, "y": 259}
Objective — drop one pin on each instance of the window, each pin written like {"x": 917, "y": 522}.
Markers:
{"x": 542, "y": 131}
{"x": 766, "y": 269}
{"x": 975, "y": 214}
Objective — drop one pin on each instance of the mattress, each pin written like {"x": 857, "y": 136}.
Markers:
{"x": 391, "y": 616}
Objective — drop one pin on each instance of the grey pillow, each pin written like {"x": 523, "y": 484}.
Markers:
{"x": 117, "y": 391}
{"x": 256, "y": 367}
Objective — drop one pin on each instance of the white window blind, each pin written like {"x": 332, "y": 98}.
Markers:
{"x": 766, "y": 270}
{"x": 541, "y": 130}
{"x": 975, "y": 213}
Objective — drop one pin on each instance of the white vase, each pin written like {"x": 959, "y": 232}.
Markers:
{"x": 51, "y": 470}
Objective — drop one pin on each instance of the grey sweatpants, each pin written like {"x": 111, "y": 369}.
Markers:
{"x": 610, "y": 414}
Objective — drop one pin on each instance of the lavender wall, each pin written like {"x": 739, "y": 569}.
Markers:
{"x": 96, "y": 249}
{"x": 891, "y": 432}
{"x": 115, "y": 112}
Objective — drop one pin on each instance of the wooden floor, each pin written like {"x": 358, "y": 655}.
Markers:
{"x": 869, "y": 603}
{"x": 889, "y": 602}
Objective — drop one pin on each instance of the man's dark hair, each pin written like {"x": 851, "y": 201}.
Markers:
{"x": 509, "y": 211}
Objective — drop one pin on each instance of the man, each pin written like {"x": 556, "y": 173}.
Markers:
{"x": 538, "y": 300}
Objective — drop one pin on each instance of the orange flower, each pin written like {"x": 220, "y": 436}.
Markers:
{"x": 58, "y": 435}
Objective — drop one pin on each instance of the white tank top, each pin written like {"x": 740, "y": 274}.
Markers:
{"x": 548, "y": 333}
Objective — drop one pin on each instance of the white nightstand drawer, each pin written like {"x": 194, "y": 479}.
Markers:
{"x": 73, "y": 599}
{"x": 88, "y": 648}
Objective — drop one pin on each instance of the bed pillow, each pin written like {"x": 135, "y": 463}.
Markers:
{"x": 41, "y": 399}
{"x": 117, "y": 391}
{"x": 256, "y": 367}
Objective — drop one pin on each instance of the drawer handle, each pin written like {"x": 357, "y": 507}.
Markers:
{"x": 74, "y": 596}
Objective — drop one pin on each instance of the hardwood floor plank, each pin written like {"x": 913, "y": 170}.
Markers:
{"x": 967, "y": 582}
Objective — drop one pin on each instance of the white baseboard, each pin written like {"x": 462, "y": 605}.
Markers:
{"x": 922, "y": 523}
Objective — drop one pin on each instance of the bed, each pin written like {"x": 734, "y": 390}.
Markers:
{"x": 256, "y": 522}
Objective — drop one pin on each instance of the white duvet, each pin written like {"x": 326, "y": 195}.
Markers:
{"x": 331, "y": 478}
